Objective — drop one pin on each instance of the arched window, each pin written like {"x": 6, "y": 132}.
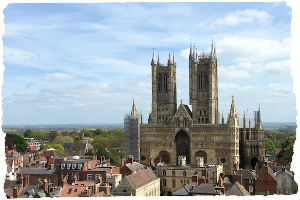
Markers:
{"x": 164, "y": 173}
{"x": 164, "y": 182}
{"x": 184, "y": 173}
{"x": 184, "y": 122}
{"x": 173, "y": 183}
{"x": 173, "y": 173}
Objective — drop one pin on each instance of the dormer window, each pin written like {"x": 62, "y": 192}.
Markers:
{"x": 73, "y": 166}
{"x": 68, "y": 165}
{"x": 80, "y": 166}
{"x": 89, "y": 165}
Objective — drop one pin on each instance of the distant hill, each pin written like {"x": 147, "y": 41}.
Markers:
{"x": 280, "y": 126}
{"x": 62, "y": 126}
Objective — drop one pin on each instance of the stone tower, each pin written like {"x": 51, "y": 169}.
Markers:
{"x": 203, "y": 80}
{"x": 164, "y": 97}
{"x": 132, "y": 134}
{"x": 252, "y": 145}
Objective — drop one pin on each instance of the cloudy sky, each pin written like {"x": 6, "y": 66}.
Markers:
{"x": 84, "y": 63}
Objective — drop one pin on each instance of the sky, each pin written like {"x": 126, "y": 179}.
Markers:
{"x": 84, "y": 63}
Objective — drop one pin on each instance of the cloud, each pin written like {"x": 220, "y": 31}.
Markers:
{"x": 58, "y": 77}
{"x": 244, "y": 16}
{"x": 244, "y": 49}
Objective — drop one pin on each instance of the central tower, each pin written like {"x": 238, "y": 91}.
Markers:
{"x": 203, "y": 86}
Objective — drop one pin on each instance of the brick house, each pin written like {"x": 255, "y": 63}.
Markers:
{"x": 36, "y": 175}
{"x": 266, "y": 182}
{"x": 130, "y": 167}
{"x": 245, "y": 178}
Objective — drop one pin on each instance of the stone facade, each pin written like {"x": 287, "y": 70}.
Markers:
{"x": 173, "y": 132}
{"x": 172, "y": 178}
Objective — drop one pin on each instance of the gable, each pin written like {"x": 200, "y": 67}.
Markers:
{"x": 182, "y": 112}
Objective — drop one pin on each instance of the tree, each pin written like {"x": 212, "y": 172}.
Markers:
{"x": 60, "y": 139}
{"x": 270, "y": 145}
{"x": 287, "y": 149}
{"x": 20, "y": 143}
{"x": 59, "y": 149}
{"x": 28, "y": 133}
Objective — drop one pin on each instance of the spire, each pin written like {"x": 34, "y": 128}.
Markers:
{"x": 244, "y": 120}
{"x": 258, "y": 115}
{"x": 232, "y": 109}
{"x": 215, "y": 54}
{"x": 153, "y": 58}
{"x": 133, "y": 109}
{"x": 173, "y": 58}
{"x": 249, "y": 123}
{"x": 191, "y": 49}
{"x": 170, "y": 60}
{"x": 158, "y": 61}
{"x": 258, "y": 123}
{"x": 222, "y": 118}
{"x": 196, "y": 54}
{"x": 212, "y": 48}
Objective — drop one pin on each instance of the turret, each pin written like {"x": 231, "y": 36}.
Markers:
{"x": 222, "y": 118}
{"x": 153, "y": 58}
{"x": 133, "y": 109}
{"x": 232, "y": 116}
{"x": 258, "y": 122}
{"x": 158, "y": 61}
{"x": 244, "y": 120}
{"x": 169, "y": 59}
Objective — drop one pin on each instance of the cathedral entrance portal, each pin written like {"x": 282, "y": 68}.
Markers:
{"x": 254, "y": 160}
{"x": 182, "y": 140}
{"x": 163, "y": 156}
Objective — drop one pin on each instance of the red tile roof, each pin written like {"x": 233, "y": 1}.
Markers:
{"x": 74, "y": 190}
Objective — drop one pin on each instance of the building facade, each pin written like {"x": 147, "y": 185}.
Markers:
{"x": 198, "y": 132}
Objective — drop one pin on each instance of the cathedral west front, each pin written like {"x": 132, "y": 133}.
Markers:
{"x": 198, "y": 130}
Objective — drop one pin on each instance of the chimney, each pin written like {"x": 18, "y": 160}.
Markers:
{"x": 123, "y": 163}
{"x": 195, "y": 178}
{"x": 15, "y": 192}
{"x": 51, "y": 166}
{"x": 130, "y": 159}
{"x": 200, "y": 161}
{"x": 22, "y": 181}
{"x": 193, "y": 187}
{"x": 256, "y": 169}
{"x": 105, "y": 189}
{"x": 45, "y": 185}
{"x": 26, "y": 180}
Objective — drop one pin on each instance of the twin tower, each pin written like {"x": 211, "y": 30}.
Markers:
{"x": 203, "y": 88}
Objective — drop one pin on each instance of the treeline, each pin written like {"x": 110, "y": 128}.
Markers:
{"x": 109, "y": 143}
{"x": 280, "y": 140}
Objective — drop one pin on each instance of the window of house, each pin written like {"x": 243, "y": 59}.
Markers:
{"x": 173, "y": 173}
{"x": 164, "y": 182}
{"x": 97, "y": 177}
{"x": 80, "y": 166}
{"x": 184, "y": 173}
{"x": 89, "y": 165}
{"x": 75, "y": 190}
{"x": 173, "y": 183}
{"x": 73, "y": 166}
{"x": 250, "y": 189}
{"x": 164, "y": 173}
{"x": 50, "y": 181}
{"x": 68, "y": 165}
{"x": 89, "y": 177}
{"x": 62, "y": 165}
{"x": 70, "y": 190}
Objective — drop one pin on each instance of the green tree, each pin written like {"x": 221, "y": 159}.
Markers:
{"x": 270, "y": 145}
{"x": 28, "y": 133}
{"x": 287, "y": 149}
{"x": 59, "y": 149}
{"x": 20, "y": 143}
{"x": 60, "y": 139}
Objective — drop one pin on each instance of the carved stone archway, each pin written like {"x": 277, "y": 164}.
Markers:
{"x": 203, "y": 154}
{"x": 182, "y": 141}
{"x": 164, "y": 156}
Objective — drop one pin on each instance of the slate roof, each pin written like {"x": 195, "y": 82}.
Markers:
{"x": 205, "y": 188}
{"x": 36, "y": 170}
{"x": 33, "y": 190}
{"x": 135, "y": 166}
{"x": 141, "y": 178}
{"x": 237, "y": 189}
{"x": 188, "y": 110}
{"x": 185, "y": 190}
{"x": 246, "y": 174}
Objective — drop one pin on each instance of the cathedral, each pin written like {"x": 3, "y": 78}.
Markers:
{"x": 198, "y": 129}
